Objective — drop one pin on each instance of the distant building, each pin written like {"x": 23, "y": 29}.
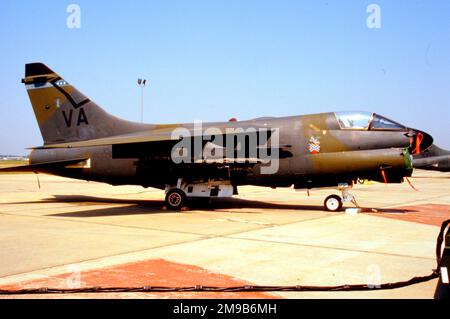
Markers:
{"x": 13, "y": 158}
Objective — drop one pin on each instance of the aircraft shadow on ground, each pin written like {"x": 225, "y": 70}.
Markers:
{"x": 145, "y": 207}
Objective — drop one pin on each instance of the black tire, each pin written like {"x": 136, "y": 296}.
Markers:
{"x": 176, "y": 199}
{"x": 442, "y": 291}
{"x": 333, "y": 203}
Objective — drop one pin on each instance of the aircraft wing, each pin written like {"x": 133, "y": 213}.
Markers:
{"x": 158, "y": 144}
{"x": 161, "y": 133}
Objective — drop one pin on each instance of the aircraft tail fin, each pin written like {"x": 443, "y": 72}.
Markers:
{"x": 64, "y": 114}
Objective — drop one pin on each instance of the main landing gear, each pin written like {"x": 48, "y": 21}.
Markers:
{"x": 176, "y": 199}
{"x": 334, "y": 203}
{"x": 178, "y": 196}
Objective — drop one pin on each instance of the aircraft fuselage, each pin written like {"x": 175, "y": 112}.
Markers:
{"x": 319, "y": 153}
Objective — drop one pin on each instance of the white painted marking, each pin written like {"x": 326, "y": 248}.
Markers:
{"x": 444, "y": 275}
{"x": 353, "y": 211}
{"x": 45, "y": 86}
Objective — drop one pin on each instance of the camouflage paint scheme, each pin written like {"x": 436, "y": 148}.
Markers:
{"x": 82, "y": 141}
{"x": 434, "y": 159}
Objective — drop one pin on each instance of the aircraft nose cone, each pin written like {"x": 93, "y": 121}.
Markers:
{"x": 419, "y": 141}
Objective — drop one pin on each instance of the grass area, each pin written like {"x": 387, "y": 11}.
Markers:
{"x": 4, "y": 164}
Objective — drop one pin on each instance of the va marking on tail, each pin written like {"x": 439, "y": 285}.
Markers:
{"x": 82, "y": 118}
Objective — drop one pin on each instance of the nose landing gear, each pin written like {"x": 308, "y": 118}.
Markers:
{"x": 334, "y": 203}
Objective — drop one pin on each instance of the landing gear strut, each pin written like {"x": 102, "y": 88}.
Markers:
{"x": 349, "y": 197}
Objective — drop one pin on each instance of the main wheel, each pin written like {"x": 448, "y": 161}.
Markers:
{"x": 333, "y": 203}
{"x": 176, "y": 198}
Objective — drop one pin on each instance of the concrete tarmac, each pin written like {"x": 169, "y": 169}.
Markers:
{"x": 71, "y": 233}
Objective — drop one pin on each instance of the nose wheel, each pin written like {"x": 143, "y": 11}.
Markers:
{"x": 333, "y": 203}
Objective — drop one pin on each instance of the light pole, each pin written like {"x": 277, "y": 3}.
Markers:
{"x": 142, "y": 83}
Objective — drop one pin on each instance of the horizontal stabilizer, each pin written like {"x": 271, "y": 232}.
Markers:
{"x": 42, "y": 167}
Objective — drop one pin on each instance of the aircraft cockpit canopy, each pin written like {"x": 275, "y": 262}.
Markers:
{"x": 366, "y": 121}
{"x": 354, "y": 120}
{"x": 381, "y": 123}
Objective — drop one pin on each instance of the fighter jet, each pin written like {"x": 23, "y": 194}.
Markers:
{"x": 206, "y": 160}
{"x": 434, "y": 158}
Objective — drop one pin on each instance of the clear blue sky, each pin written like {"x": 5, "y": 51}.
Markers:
{"x": 213, "y": 60}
